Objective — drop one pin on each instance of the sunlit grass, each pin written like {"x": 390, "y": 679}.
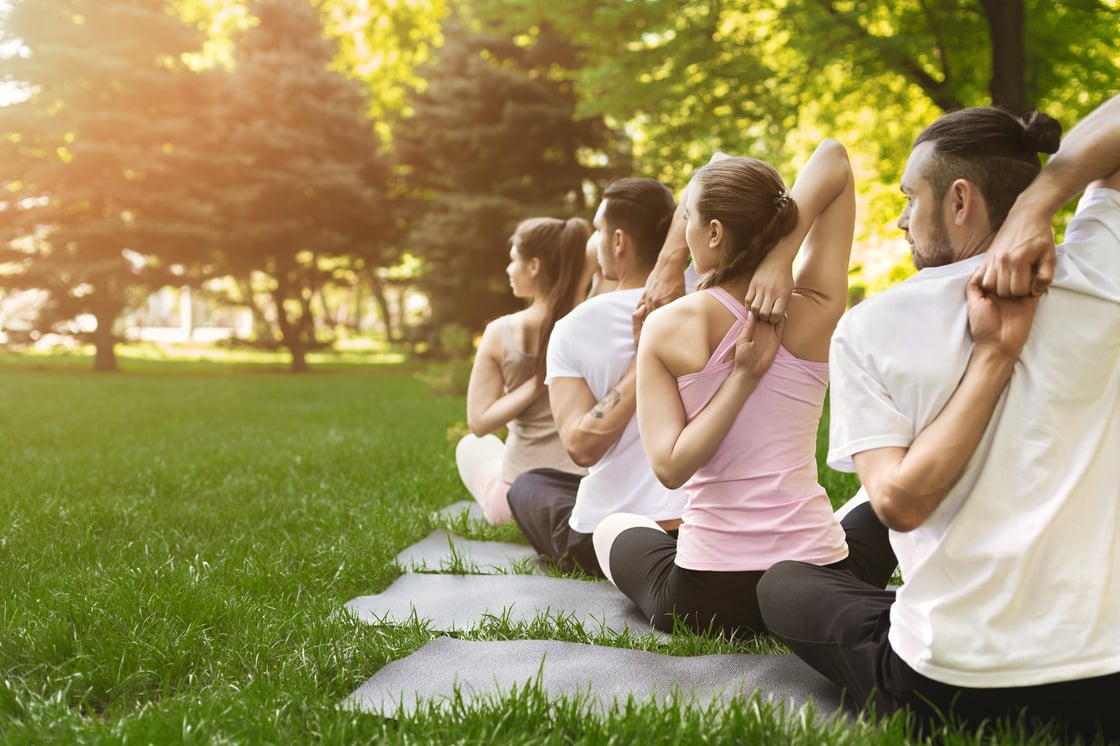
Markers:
{"x": 176, "y": 544}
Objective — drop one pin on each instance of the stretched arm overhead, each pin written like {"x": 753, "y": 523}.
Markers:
{"x": 826, "y": 207}
{"x": 1021, "y": 257}
{"x": 906, "y": 485}
{"x": 665, "y": 282}
{"x": 489, "y": 406}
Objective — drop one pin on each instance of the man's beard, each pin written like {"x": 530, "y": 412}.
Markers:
{"x": 937, "y": 251}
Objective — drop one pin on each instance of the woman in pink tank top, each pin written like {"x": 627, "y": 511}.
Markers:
{"x": 547, "y": 266}
{"x": 729, "y": 397}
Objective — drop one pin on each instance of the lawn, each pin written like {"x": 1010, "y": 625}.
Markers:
{"x": 177, "y": 541}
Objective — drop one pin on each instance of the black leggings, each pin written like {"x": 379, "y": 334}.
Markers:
{"x": 642, "y": 563}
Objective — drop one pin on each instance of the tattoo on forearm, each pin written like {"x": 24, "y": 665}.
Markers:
{"x": 606, "y": 404}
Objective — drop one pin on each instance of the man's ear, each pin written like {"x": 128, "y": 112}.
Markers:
{"x": 965, "y": 201}
{"x": 620, "y": 243}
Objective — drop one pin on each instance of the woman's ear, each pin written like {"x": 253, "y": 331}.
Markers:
{"x": 715, "y": 234}
{"x": 534, "y": 266}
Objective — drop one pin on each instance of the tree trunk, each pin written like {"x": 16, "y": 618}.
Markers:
{"x": 105, "y": 356}
{"x": 291, "y": 335}
{"x": 377, "y": 289}
{"x": 261, "y": 326}
{"x": 1007, "y": 27}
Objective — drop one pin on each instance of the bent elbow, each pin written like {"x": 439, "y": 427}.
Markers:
{"x": 672, "y": 479}
{"x": 583, "y": 457}
{"x": 897, "y": 517}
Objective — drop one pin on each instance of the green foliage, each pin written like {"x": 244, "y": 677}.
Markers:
{"x": 306, "y": 186}
{"x": 491, "y": 140}
{"x": 101, "y": 186}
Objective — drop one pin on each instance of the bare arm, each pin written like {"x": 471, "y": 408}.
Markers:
{"x": 906, "y": 485}
{"x": 489, "y": 407}
{"x": 666, "y": 281}
{"x": 588, "y": 428}
{"x": 1020, "y": 260}
{"x": 675, "y": 447}
{"x": 825, "y": 197}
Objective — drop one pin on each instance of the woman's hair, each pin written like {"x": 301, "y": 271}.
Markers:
{"x": 561, "y": 248}
{"x": 751, "y": 201}
{"x": 992, "y": 148}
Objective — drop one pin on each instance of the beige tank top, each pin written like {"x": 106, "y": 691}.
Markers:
{"x": 533, "y": 441}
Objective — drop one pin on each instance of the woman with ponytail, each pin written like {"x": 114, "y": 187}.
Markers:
{"x": 728, "y": 403}
{"x": 506, "y": 388}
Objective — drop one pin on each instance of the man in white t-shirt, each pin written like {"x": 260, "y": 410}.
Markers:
{"x": 992, "y": 455}
{"x": 590, "y": 376}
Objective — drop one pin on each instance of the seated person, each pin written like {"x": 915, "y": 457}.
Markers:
{"x": 506, "y": 387}
{"x": 590, "y": 375}
{"x": 729, "y": 405}
{"x": 991, "y": 456}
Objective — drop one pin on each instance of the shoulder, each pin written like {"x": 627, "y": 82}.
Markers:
{"x": 687, "y": 310}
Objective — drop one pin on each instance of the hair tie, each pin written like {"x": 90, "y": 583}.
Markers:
{"x": 782, "y": 199}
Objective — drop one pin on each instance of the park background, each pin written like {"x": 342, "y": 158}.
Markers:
{"x": 201, "y": 194}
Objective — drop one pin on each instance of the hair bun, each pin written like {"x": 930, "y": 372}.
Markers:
{"x": 1041, "y": 133}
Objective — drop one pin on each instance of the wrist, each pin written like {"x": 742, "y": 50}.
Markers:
{"x": 994, "y": 360}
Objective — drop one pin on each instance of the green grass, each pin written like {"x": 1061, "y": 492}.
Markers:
{"x": 176, "y": 543}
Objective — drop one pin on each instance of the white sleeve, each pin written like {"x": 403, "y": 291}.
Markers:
{"x": 1092, "y": 239}
{"x": 562, "y": 361}
{"x": 862, "y": 413}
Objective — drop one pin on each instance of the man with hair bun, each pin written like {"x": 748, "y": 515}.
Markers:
{"x": 984, "y": 423}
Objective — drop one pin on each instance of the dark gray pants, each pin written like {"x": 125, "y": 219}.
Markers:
{"x": 541, "y": 501}
{"x": 838, "y": 624}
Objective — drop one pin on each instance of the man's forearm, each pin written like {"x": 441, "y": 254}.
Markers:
{"x": 600, "y": 428}
{"x": 905, "y": 494}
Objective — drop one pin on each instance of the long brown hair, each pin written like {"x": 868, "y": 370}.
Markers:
{"x": 751, "y": 201}
{"x": 561, "y": 248}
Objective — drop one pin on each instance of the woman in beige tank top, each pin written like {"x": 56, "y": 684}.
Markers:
{"x": 506, "y": 389}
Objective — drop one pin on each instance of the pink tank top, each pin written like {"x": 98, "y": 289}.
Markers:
{"x": 757, "y": 500}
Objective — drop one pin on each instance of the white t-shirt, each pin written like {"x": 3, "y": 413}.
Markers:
{"x": 1015, "y": 579}
{"x": 595, "y": 342}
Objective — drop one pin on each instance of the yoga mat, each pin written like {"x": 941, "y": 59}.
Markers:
{"x": 454, "y": 510}
{"x": 444, "y": 552}
{"x": 462, "y": 602}
{"x": 602, "y": 675}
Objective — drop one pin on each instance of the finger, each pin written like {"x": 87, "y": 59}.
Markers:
{"x": 778, "y": 312}
{"x": 749, "y": 326}
{"x": 641, "y": 311}
{"x": 1044, "y": 275}
{"x": 766, "y": 311}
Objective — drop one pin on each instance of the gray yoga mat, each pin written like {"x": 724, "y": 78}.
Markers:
{"x": 444, "y": 552}
{"x": 454, "y": 510}
{"x": 462, "y": 602}
{"x": 600, "y": 675}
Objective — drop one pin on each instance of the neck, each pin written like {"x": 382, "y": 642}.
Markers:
{"x": 737, "y": 287}
{"x": 976, "y": 242}
{"x": 632, "y": 277}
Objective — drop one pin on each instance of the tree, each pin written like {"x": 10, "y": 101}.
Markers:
{"x": 308, "y": 186}
{"x": 101, "y": 190}
{"x": 493, "y": 140}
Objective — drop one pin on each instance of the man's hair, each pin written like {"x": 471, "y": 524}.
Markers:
{"x": 643, "y": 210}
{"x": 993, "y": 149}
